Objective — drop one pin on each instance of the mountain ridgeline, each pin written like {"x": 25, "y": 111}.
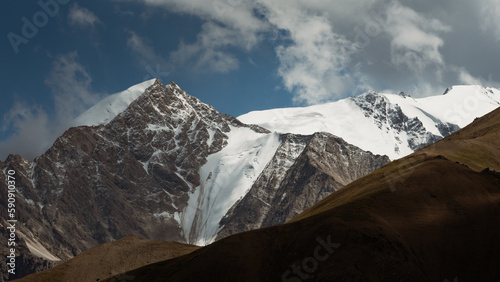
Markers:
{"x": 430, "y": 216}
{"x": 157, "y": 163}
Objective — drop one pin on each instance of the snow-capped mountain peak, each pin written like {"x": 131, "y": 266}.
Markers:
{"x": 387, "y": 124}
{"x": 104, "y": 111}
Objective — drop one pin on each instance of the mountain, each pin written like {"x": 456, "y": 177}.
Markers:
{"x": 163, "y": 165}
{"x": 304, "y": 170}
{"x": 387, "y": 124}
{"x": 430, "y": 216}
{"x": 106, "y": 110}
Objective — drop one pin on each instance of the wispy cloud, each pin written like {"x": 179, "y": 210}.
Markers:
{"x": 490, "y": 17}
{"x": 317, "y": 43}
{"x": 71, "y": 83}
{"x": 82, "y": 17}
{"x": 415, "y": 40}
{"x": 27, "y": 122}
{"x": 312, "y": 64}
{"x": 71, "y": 88}
{"x": 138, "y": 45}
{"x": 208, "y": 51}
{"x": 154, "y": 64}
{"x": 228, "y": 24}
{"x": 125, "y": 12}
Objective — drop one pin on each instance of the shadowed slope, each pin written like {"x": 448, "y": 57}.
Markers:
{"x": 421, "y": 218}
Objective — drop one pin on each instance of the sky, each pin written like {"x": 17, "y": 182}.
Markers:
{"x": 60, "y": 57}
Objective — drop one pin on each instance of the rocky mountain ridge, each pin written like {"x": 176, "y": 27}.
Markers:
{"x": 168, "y": 167}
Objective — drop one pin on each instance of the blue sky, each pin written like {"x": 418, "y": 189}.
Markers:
{"x": 236, "y": 55}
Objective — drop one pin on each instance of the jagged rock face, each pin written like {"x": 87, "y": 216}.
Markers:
{"x": 304, "y": 170}
{"x": 250, "y": 212}
{"x": 390, "y": 117}
{"x": 128, "y": 177}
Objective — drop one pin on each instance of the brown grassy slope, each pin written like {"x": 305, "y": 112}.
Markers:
{"x": 110, "y": 259}
{"x": 477, "y": 146}
{"x": 422, "y": 218}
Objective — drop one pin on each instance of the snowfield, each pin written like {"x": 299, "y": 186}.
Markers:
{"x": 107, "y": 109}
{"x": 226, "y": 178}
{"x": 346, "y": 119}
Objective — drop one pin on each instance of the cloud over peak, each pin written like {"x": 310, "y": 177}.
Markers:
{"x": 332, "y": 49}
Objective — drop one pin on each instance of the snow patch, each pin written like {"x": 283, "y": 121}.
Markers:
{"x": 162, "y": 215}
{"x": 104, "y": 111}
{"x": 226, "y": 177}
{"x": 30, "y": 202}
{"x": 39, "y": 250}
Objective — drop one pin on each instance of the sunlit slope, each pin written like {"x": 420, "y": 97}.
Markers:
{"x": 477, "y": 146}
{"x": 110, "y": 259}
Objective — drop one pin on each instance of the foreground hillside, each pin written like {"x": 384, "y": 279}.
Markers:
{"x": 110, "y": 259}
{"x": 431, "y": 216}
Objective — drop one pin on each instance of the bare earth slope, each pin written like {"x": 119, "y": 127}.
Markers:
{"x": 432, "y": 216}
{"x": 110, "y": 259}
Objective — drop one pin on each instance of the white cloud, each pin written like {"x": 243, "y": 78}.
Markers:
{"x": 466, "y": 78}
{"x": 490, "y": 15}
{"x": 415, "y": 42}
{"x": 312, "y": 64}
{"x": 238, "y": 14}
{"x": 34, "y": 129}
{"x": 230, "y": 23}
{"x": 137, "y": 44}
{"x": 207, "y": 52}
{"x": 70, "y": 84}
{"x": 328, "y": 49}
{"x": 154, "y": 64}
{"x": 316, "y": 56}
{"x": 82, "y": 17}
